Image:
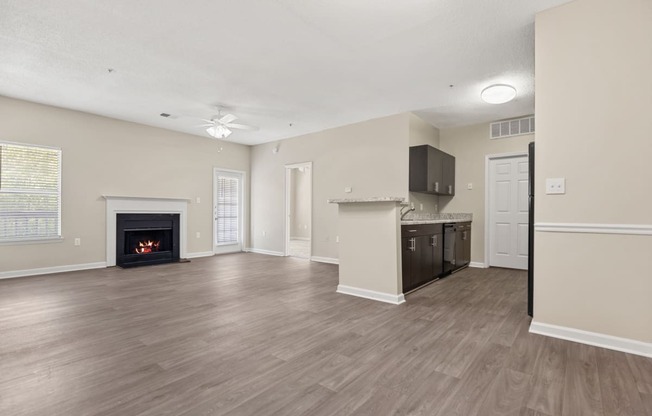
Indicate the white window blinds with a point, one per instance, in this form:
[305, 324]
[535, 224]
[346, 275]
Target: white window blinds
[30, 192]
[228, 209]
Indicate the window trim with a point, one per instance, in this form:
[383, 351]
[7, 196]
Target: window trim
[46, 239]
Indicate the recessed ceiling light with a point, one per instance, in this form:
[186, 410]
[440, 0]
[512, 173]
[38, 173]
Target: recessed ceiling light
[498, 94]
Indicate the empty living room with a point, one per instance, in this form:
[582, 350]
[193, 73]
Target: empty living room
[282, 207]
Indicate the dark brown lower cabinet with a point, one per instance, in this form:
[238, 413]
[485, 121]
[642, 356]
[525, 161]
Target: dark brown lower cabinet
[422, 257]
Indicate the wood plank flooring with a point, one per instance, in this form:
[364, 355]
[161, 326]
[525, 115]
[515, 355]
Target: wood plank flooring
[248, 334]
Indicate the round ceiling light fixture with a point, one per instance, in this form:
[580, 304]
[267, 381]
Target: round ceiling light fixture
[498, 94]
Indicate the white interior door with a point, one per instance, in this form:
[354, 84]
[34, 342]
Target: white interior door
[508, 212]
[227, 211]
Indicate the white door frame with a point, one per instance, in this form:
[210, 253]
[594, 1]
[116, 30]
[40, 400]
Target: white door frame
[487, 214]
[288, 168]
[241, 214]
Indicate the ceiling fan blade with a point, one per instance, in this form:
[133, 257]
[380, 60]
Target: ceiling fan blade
[227, 119]
[241, 126]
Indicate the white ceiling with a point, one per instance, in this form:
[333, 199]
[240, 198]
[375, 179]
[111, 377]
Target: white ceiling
[316, 64]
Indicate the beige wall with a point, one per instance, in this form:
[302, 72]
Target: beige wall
[300, 203]
[370, 258]
[103, 156]
[470, 145]
[371, 157]
[593, 100]
[420, 133]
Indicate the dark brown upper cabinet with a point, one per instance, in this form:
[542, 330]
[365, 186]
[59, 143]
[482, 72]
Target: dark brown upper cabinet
[431, 171]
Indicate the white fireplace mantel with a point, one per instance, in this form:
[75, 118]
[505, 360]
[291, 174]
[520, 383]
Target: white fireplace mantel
[131, 204]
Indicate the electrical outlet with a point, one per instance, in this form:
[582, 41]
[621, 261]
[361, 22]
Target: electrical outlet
[555, 186]
[348, 189]
[78, 241]
[420, 207]
[337, 238]
[198, 200]
[264, 233]
[198, 234]
[469, 186]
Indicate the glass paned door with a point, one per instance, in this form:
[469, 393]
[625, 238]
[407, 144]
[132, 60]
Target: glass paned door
[227, 211]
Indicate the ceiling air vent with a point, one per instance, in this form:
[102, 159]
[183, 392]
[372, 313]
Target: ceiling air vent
[509, 128]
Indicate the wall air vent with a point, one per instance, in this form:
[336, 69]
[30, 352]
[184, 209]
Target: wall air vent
[513, 127]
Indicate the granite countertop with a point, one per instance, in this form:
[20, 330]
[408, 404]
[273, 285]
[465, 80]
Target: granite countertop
[437, 218]
[371, 199]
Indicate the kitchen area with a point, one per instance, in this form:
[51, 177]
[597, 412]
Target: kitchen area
[433, 246]
[389, 249]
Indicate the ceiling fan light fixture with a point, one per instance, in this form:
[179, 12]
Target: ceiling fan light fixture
[219, 132]
[498, 94]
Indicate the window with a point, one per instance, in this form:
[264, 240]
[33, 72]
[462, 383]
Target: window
[30, 192]
[228, 209]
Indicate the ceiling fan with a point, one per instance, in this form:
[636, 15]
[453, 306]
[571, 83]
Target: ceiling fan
[221, 126]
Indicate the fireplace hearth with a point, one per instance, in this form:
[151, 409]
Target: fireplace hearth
[146, 239]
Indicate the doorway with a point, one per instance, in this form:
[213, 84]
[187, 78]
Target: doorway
[298, 210]
[506, 206]
[228, 211]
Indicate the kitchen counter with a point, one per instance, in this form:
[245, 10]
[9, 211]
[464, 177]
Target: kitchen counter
[438, 219]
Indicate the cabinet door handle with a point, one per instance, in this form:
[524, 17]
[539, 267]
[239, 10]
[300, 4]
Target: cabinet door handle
[433, 241]
[413, 243]
[436, 186]
[464, 236]
[412, 231]
[450, 189]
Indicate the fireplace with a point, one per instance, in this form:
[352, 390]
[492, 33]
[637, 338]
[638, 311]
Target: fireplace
[145, 239]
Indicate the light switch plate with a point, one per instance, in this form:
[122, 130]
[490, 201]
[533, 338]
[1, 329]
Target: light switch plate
[555, 186]
[469, 186]
[198, 200]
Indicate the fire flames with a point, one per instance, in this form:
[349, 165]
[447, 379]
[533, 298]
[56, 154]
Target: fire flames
[147, 246]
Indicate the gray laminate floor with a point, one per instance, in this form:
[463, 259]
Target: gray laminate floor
[248, 334]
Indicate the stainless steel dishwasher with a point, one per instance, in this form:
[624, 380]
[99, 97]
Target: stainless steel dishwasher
[450, 235]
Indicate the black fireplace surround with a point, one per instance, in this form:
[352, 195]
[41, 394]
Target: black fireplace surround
[145, 239]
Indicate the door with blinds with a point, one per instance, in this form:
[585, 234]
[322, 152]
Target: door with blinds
[227, 211]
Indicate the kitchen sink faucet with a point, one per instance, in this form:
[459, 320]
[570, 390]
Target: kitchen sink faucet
[403, 214]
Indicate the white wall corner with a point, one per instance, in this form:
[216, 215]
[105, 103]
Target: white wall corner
[592, 338]
[371, 294]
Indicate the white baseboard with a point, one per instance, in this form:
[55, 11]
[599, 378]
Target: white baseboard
[477, 265]
[53, 269]
[592, 338]
[329, 260]
[199, 254]
[267, 252]
[371, 294]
